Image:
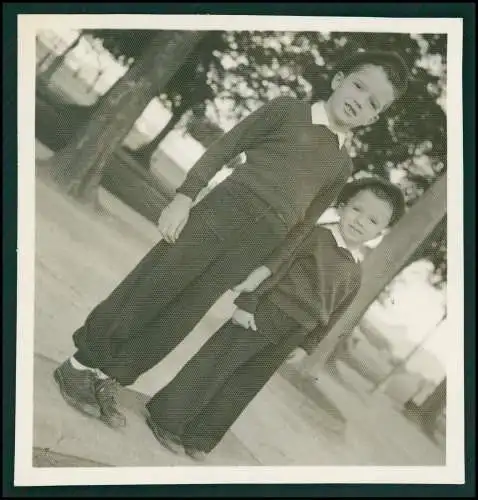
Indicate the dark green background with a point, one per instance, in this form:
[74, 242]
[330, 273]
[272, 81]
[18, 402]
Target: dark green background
[398, 9]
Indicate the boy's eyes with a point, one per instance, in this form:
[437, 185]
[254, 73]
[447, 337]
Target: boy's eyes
[371, 219]
[373, 102]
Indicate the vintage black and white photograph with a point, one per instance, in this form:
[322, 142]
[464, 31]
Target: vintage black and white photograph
[233, 250]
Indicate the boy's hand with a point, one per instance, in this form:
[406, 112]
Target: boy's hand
[253, 280]
[296, 356]
[244, 319]
[174, 217]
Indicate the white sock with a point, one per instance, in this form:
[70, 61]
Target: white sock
[78, 366]
[101, 375]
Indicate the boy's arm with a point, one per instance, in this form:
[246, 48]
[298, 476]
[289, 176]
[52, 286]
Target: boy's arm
[249, 301]
[253, 280]
[284, 252]
[313, 339]
[250, 131]
[323, 200]
[328, 194]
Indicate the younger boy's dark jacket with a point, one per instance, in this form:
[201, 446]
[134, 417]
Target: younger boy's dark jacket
[313, 283]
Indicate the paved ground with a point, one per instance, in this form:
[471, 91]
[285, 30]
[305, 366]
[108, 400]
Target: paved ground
[43, 457]
[80, 256]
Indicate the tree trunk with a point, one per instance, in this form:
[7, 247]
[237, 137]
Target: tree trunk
[426, 250]
[382, 265]
[143, 154]
[433, 405]
[47, 75]
[41, 62]
[80, 165]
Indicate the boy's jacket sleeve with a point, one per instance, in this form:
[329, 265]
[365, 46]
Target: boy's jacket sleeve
[283, 254]
[313, 339]
[248, 301]
[250, 131]
[323, 200]
[282, 261]
[328, 193]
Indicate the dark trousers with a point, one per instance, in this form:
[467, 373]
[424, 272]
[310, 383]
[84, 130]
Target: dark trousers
[228, 234]
[211, 391]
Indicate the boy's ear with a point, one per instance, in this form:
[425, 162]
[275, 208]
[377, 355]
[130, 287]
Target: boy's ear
[337, 80]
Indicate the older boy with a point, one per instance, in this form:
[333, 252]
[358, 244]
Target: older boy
[293, 309]
[296, 165]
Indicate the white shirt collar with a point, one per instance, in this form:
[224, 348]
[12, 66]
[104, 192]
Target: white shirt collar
[334, 229]
[319, 117]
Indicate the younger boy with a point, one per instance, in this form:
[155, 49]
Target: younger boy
[291, 310]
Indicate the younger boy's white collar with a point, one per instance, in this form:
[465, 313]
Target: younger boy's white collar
[319, 117]
[334, 229]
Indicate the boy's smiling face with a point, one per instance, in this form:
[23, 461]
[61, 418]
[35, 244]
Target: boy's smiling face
[364, 217]
[359, 98]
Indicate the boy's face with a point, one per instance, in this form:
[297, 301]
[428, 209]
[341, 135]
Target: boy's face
[359, 98]
[364, 217]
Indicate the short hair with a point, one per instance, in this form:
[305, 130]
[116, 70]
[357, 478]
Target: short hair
[393, 64]
[381, 188]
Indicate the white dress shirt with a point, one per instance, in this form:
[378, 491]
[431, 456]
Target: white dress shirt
[319, 117]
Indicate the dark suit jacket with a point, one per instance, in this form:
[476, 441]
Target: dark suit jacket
[348, 276]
